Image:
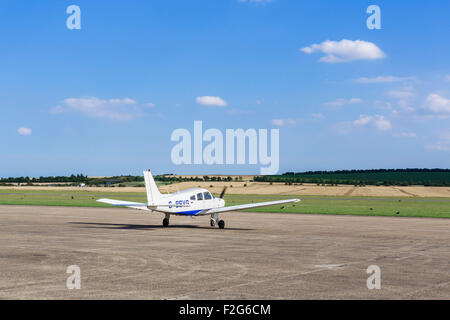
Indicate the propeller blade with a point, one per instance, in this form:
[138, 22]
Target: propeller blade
[223, 192]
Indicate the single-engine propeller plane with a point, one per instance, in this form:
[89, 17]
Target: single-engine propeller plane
[189, 202]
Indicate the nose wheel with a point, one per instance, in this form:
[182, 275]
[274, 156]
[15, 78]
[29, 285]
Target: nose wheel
[220, 223]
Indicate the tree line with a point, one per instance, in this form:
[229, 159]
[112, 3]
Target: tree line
[387, 177]
[80, 178]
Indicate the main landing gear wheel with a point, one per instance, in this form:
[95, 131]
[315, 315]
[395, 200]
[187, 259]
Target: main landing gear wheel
[165, 222]
[213, 223]
[221, 224]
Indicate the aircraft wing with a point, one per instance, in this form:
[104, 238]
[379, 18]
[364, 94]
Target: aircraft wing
[128, 204]
[250, 206]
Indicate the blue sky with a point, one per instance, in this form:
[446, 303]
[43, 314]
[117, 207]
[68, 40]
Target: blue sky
[104, 100]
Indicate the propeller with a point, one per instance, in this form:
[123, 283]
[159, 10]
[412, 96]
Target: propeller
[223, 192]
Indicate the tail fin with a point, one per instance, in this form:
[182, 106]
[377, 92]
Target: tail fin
[153, 194]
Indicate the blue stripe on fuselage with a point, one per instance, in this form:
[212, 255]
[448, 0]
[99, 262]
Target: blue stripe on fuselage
[188, 213]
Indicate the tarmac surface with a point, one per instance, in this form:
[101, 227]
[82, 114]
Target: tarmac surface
[125, 254]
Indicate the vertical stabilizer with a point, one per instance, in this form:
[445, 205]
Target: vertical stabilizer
[153, 194]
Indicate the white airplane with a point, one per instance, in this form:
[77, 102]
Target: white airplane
[189, 202]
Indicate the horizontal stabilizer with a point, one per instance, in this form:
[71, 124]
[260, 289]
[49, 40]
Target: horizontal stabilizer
[128, 204]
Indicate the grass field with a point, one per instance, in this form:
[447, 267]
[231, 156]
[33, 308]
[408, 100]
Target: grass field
[370, 206]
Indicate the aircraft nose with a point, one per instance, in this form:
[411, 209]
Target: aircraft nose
[222, 203]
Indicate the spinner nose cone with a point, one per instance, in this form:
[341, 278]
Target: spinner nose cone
[222, 202]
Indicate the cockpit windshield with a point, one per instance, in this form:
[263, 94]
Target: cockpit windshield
[207, 196]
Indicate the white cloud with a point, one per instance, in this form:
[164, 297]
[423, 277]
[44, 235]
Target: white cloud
[24, 131]
[382, 124]
[383, 79]
[124, 101]
[378, 121]
[318, 115]
[443, 144]
[112, 109]
[283, 122]
[278, 122]
[383, 105]
[439, 146]
[438, 104]
[342, 102]
[403, 97]
[336, 103]
[211, 101]
[405, 135]
[345, 51]
[404, 105]
[401, 94]
[362, 121]
[355, 100]
[150, 105]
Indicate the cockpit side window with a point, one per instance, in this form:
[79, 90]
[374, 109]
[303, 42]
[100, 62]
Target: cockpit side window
[193, 197]
[207, 196]
[199, 196]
